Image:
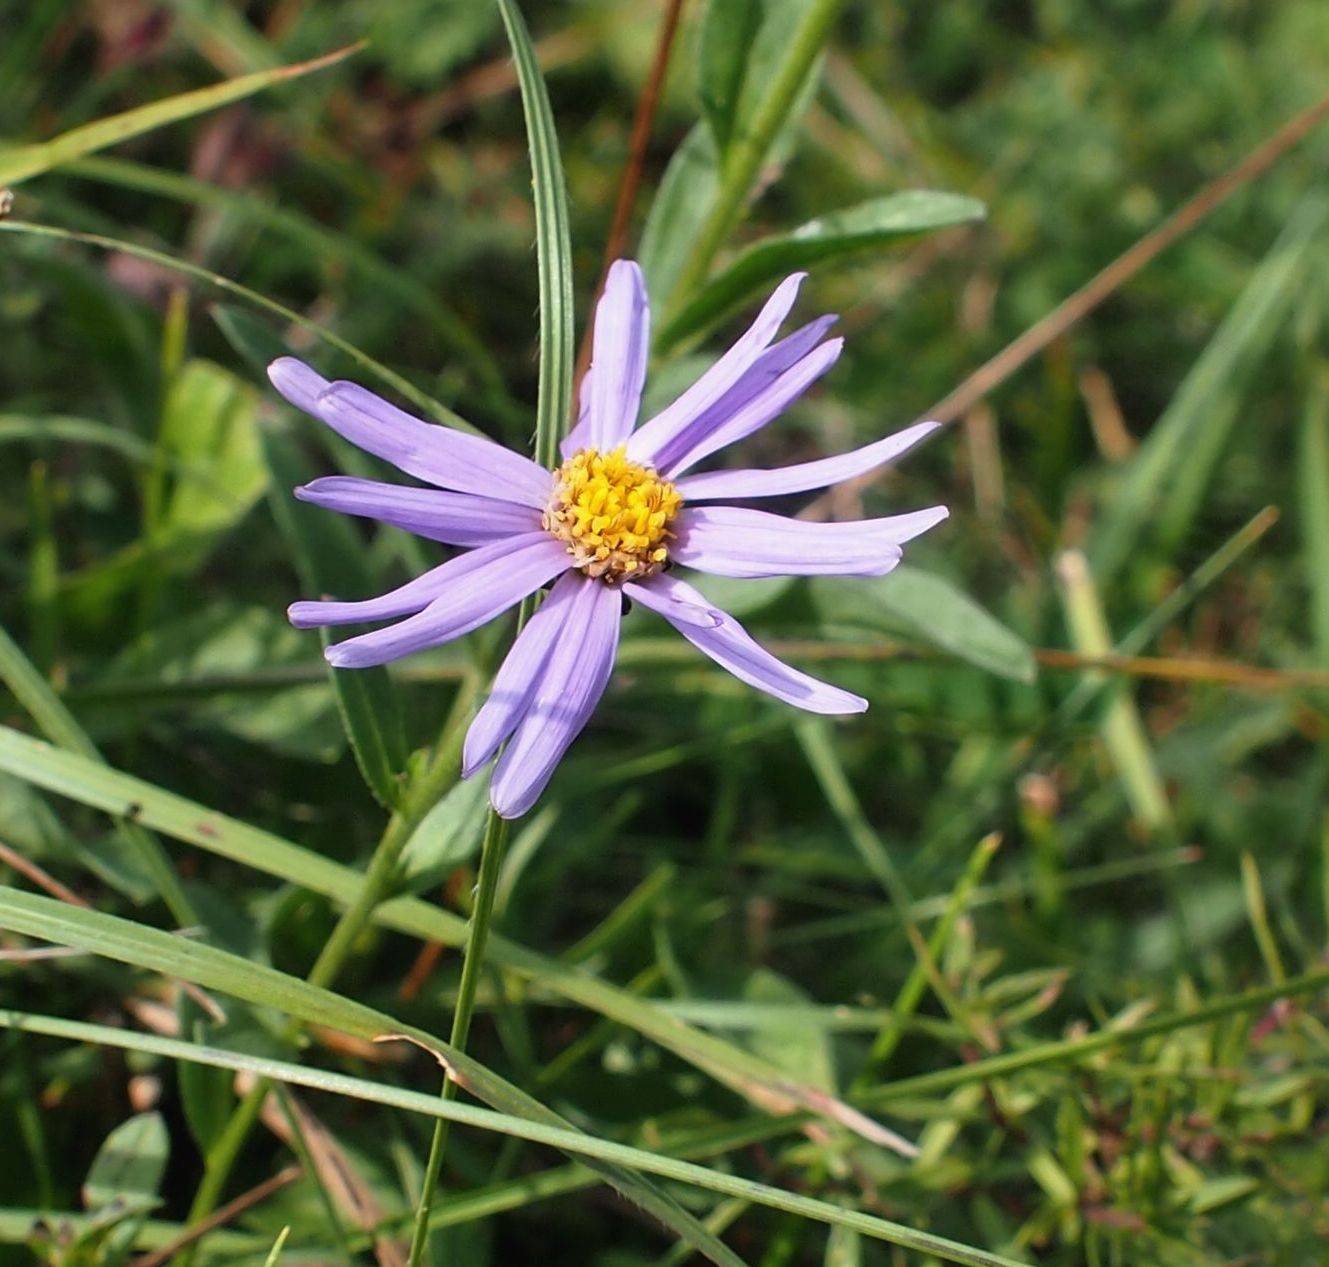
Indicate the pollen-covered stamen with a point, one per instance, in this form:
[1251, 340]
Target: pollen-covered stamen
[613, 514]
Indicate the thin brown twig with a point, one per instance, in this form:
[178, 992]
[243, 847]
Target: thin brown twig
[1170, 669]
[642, 124]
[1075, 307]
[42, 879]
[224, 1214]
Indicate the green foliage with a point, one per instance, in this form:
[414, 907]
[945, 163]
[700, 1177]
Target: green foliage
[1023, 965]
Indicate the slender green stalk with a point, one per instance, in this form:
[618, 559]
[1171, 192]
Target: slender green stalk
[421, 796]
[751, 145]
[491, 864]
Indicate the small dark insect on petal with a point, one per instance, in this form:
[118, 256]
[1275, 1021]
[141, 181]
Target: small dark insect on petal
[627, 604]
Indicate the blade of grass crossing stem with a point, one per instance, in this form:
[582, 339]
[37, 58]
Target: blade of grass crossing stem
[45, 707]
[597, 1151]
[1314, 472]
[422, 400]
[1123, 731]
[25, 161]
[553, 245]
[110, 790]
[156, 951]
[1167, 478]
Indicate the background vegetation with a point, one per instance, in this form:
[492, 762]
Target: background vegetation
[1060, 921]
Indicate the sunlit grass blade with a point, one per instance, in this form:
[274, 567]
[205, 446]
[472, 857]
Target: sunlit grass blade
[48, 710]
[1313, 467]
[1163, 484]
[396, 382]
[186, 820]
[22, 162]
[553, 246]
[597, 1150]
[156, 951]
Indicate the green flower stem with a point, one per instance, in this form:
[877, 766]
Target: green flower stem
[477, 934]
[749, 148]
[421, 795]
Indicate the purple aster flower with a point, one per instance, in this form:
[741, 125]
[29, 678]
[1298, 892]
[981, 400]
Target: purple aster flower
[611, 521]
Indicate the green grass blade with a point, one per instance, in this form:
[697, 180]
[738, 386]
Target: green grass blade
[329, 559]
[156, 951]
[22, 162]
[597, 1150]
[1313, 468]
[422, 400]
[48, 710]
[553, 245]
[1167, 478]
[176, 816]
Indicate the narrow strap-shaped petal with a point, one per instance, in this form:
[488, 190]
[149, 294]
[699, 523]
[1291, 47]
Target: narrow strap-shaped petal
[300, 385]
[671, 604]
[731, 541]
[655, 435]
[495, 578]
[574, 678]
[405, 600]
[759, 389]
[457, 519]
[733, 648]
[726, 485]
[519, 675]
[618, 356]
[726, 426]
[439, 455]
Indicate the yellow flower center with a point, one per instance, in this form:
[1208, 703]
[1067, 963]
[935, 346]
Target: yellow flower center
[613, 514]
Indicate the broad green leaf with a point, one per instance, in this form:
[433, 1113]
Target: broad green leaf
[1161, 489]
[923, 605]
[329, 559]
[878, 222]
[544, 1129]
[681, 204]
[19, 163]
[129, 1165]
[727, 35]
[553, 244]
[209, 423]
[802, 1050]
[157, 951]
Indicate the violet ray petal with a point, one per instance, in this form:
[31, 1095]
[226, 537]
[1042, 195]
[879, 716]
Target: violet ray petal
[685, 448]
[579, 437]
[300, 385]
[439, 455]
[734, 649]
[519, 676]
[672, 606]
[654, 435]
[574, 678]
[724, 485]
[456, 519]
[405, 600]
[731, 541]
[618, 355]
[495, 578]
[755, 412]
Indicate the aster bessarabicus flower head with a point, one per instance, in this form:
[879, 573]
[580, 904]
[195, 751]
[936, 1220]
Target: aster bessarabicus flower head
[611, 521]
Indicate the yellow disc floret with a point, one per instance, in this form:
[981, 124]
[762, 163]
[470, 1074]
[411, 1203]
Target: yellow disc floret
[614, 515]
